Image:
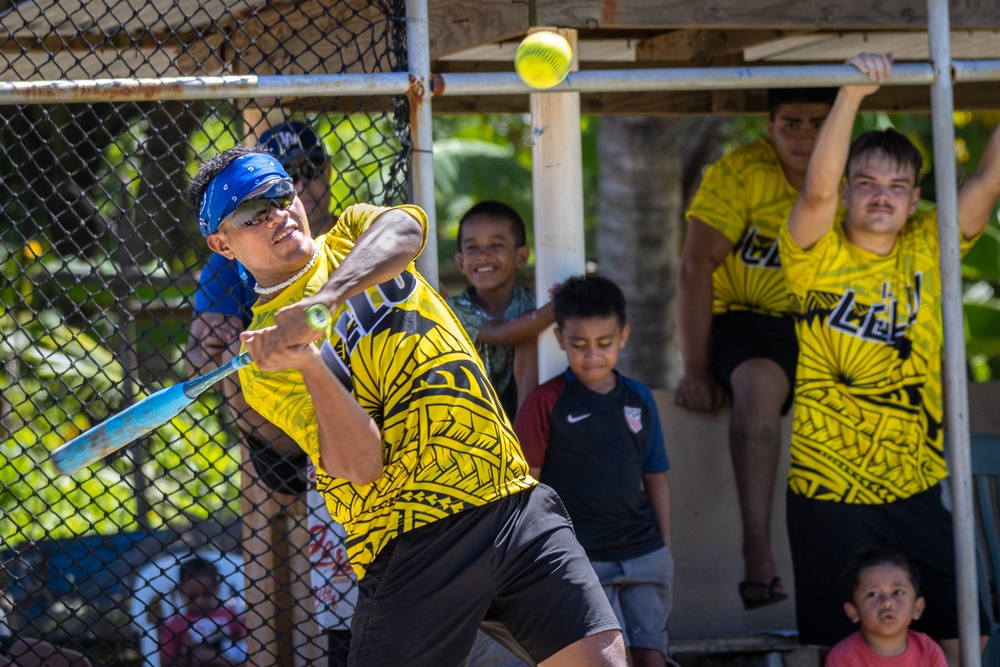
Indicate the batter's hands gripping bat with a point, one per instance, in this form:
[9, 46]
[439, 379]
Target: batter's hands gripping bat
[153, 411]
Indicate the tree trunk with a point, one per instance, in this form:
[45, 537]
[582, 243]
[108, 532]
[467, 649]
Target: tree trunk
[646, 164]
[162, 221]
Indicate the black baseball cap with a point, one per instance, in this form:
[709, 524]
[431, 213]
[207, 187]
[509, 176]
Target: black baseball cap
[291, 141]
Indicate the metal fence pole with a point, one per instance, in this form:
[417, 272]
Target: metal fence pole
[421, 131]
[956, 408]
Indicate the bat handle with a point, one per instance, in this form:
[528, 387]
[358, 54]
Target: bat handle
[317, 317]
[197, 386]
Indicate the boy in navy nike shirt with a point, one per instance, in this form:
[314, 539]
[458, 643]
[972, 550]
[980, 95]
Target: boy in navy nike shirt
[594, 436]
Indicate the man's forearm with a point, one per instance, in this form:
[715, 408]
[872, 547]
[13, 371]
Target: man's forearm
[978, 195]
[826, 165]
[350, 445]
[694, 318]
[518, 330]
[816, 209]
[382, 252]
[658, 490]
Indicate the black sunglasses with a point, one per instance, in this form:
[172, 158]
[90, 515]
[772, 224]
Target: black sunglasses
[255, 210]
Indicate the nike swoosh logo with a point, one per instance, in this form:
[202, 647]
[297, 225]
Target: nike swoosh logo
[572, 419]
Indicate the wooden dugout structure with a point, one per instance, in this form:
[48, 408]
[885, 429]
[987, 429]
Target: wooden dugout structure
[634, 57]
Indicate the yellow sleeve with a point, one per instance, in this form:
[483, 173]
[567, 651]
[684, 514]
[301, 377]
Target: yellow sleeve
[281, 397]
[722, 200]
[359, 217]
[800, 266]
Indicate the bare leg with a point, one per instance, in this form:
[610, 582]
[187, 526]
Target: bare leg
[759, 390]
[605, 649]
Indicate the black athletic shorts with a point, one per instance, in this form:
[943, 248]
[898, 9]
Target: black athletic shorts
[826, 536]
[512, 566]
[740, 335]
[284, 473]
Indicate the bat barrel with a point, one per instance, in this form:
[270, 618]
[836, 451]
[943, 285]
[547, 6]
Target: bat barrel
[115, 432]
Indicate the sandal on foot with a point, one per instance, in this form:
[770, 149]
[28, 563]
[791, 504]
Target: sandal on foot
[770, 590]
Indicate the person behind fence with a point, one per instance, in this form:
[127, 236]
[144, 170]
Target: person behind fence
[594, 436]
[226, 294]
[411, 446]
[222, 309]
[205, 633]
[498, 314]
[867, 452]
[736, 335]
[882, 596]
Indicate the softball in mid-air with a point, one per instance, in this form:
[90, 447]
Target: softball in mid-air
[543, 59]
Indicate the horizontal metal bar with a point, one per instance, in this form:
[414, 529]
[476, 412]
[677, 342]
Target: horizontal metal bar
[203, 88]
[482, 83]
[971, 71]
[698, 78]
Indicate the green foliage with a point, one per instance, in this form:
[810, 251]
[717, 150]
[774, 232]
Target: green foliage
[467, 171]
[489, 157]
[57, 381]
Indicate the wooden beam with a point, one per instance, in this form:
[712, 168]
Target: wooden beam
[760, 14]
[732, 100]
[695, 46]
[455, 25]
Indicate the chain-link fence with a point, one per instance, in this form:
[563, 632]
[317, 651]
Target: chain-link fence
[109, 293]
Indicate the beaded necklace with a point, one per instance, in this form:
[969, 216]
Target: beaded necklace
[274, 289]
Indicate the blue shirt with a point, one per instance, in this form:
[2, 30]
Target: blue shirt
[221, 289]
[593, 449]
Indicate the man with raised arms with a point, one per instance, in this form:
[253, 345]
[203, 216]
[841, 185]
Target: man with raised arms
[867, 440]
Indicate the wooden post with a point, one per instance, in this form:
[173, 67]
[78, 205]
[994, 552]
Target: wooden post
[557, 181]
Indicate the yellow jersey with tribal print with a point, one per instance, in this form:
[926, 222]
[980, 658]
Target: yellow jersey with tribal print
[867, 425]
[447, 444]
[745, 196]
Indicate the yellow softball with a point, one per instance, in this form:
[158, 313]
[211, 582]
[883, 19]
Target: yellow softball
[543, 59]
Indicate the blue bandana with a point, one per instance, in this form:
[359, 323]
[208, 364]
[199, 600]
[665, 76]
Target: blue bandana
[243, 175]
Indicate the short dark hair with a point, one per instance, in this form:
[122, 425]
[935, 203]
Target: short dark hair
[778, 96]
[872, 558]
[892, 144]
[196, 566]
[496, 209]
[584, 297]
[214, 167]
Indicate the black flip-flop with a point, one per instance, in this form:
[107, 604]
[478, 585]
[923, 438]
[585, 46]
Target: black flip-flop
[772, 595]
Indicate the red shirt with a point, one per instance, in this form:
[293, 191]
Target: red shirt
[193, 629]
[921, 651]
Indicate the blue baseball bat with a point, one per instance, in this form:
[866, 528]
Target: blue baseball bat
[153, 411]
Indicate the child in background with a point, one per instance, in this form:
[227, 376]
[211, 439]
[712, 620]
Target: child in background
[594, 436]
[205, 633]
[497, 313]
[882, 593]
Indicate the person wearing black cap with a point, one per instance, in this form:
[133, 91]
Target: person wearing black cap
[222, 309]
[226, 294]
[301, 153]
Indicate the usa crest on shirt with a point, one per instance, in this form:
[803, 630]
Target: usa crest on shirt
[633, 417]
